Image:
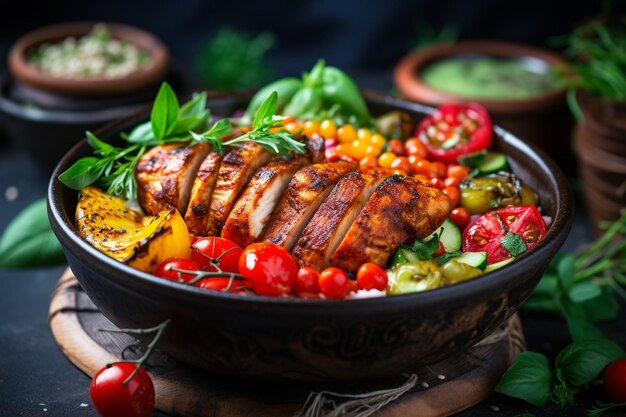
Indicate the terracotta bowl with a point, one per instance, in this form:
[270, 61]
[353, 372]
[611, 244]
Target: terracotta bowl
[543, 120]
[289, 339]
[137, 80]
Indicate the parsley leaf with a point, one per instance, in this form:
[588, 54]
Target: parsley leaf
[513, 243]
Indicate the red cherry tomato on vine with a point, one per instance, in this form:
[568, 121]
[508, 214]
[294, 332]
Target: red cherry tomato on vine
[307, 281]
[455, 130]
[165, 269]
[486, 234]
[221, 284]
[371, 277]
[461, 217]
[333, 283]
[113, 398]
[270, 269]
[205, 249]
[615, 381]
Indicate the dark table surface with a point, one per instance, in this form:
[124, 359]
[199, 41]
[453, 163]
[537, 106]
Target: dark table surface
[37, 380]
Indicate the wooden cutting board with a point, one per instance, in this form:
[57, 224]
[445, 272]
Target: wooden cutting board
[439, 389]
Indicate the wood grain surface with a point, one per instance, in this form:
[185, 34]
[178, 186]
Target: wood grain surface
[440, 389]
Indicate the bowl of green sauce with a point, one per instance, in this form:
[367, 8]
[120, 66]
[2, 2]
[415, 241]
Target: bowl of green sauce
[519, 85]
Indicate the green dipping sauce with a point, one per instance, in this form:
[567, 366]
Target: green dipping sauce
[491, 78]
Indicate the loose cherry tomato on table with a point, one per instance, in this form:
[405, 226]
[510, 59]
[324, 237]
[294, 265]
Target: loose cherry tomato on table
[166, 269]
[333, 283]
[615, 381]
[487, 233]
[307, 281]
[371, 277]
[461, 217]
[270, 269]
[112, 398]
[205, 250]
[455, 130]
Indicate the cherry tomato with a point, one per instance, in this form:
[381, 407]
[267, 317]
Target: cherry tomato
[328, 129]
[333, 283]
[221, 284]
[112, 398]
[269, 268]
[402, 163]
[487, 232]
[451, 182]
[364, 134]
[307, 281]
[455, 130]
[311, 129]
[422, 167]
[453, 195]
[368, 162]
[437, 183]
[438, 169]
[371, 277]
[351, 286]
[386, 159]
[164, 270]
[461, 217]
[378, 140]
[615, 381]
[415, 147]
[346, 133]
[459, 172]
[396, 146]
[206, 249]
[440, 250]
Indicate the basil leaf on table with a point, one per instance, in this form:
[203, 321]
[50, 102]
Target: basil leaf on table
[164, 111]
[529, 378]
[561, 393]
[28, 240]
[583, 360]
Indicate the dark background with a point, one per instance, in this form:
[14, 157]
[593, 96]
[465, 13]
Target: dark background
[364, 38]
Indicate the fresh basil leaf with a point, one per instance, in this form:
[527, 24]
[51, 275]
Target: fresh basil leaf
[440, 260]
[81, 174]
[267, 109]
[583, 360]
[544, 297]
[185, 124]
[100, 147]
[566, 268]
[142, 134]
[425, 249]
[513, 243]
[584, 291]
[602, 308]
[529, 378]
[194, 107]
[29, 241]
[561, 393]
[578, 324]
[164, 111]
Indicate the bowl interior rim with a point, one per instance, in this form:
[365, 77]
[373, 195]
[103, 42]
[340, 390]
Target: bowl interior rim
[557, 232]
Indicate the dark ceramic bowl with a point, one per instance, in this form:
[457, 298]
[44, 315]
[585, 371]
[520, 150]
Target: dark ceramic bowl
[289, 339]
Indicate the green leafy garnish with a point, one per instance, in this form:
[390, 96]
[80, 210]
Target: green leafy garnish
[529, 378]
[29, 241]
[513, 243]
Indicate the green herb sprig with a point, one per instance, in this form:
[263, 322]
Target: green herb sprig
[582, 288]
[265, 121]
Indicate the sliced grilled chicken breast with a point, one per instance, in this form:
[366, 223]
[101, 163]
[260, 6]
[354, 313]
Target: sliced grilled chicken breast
[236, 170]
[256, 204]
[305, 192]
[165, 175]
[197, 215]
[331, 221]
[400, 210]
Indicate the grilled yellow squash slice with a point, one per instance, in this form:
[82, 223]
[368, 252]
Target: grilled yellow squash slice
[140, 241]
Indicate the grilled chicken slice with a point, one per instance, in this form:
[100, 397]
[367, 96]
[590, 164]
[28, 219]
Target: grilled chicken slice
[165, 175]
[400, 210]
[236, 170]
[256, 204]
[254, 208]
[197, 215]
[306, 191]
[331, 221]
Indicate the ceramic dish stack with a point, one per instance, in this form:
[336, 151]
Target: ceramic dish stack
[600, 144]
